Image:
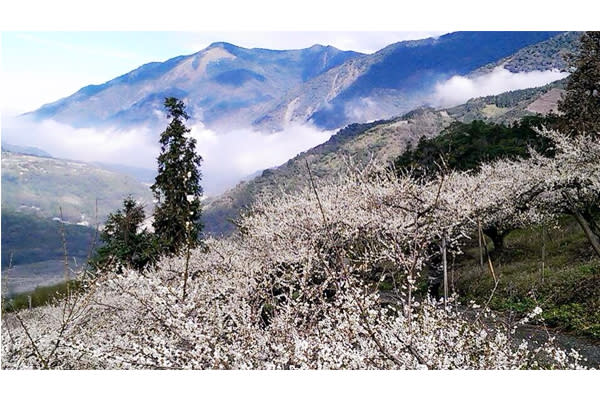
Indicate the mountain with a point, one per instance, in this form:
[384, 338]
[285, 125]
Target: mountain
[381, 140]
[224, 86]
[228, 87]
[399, 77]
[29, 150]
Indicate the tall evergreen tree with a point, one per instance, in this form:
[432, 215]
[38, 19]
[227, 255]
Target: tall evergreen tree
[177, 187]
[580, 107]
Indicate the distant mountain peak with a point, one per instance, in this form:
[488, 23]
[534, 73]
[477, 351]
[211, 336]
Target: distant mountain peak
[223, 45]
[231, 87]
[318, 46]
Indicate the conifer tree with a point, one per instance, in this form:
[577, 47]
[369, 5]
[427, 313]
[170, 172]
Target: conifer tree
[580, 107]
[125, 243]
[177, 186]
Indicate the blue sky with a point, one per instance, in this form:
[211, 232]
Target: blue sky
[41, 67]
[49, 50]
[45, 55]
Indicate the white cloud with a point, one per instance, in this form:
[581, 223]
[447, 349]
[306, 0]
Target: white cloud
[133, 147]
[228, 157]
[232, 156]
[459, 89]
[362, 109]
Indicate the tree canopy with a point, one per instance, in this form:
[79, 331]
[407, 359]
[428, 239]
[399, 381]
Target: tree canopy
[580, 106]
[465, 146]
[126, 243]
[177, 186]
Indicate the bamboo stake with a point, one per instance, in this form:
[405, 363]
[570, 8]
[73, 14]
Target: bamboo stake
[480, 234]
[543, 251]
[489, 259]
[445, 270]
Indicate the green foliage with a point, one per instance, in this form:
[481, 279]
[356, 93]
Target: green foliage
[543, 56]
[465, 146]
[39, 297]
[125, 244]
[567, 289]
[581, 103]
[177, 186]
[28, 239]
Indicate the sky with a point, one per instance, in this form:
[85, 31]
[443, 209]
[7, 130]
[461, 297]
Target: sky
[66, 44]
[41, 67]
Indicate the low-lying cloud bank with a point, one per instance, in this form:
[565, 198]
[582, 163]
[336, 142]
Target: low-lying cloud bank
[228, 157]
[458, 89]
[237, 154]
[134, 147]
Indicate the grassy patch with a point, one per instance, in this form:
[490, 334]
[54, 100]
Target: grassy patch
[566, 286]
[39, 297]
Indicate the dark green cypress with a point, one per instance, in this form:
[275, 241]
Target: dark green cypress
[177, 186]
[125, 244]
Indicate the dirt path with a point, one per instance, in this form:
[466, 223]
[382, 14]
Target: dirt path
[587, 347]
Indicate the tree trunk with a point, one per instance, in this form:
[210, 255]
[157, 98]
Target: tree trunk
[585, 225]
[588, 215]
[497, 238]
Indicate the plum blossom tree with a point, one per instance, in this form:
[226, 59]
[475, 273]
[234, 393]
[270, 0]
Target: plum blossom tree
[569, 183]
[297, 287]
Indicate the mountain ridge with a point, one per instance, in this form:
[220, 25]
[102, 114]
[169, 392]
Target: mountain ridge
[230, 87]
[135, 96]
[385, 83]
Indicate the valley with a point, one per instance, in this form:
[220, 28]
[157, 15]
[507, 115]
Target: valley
[40, 196]
[379, 141]
[229, 87]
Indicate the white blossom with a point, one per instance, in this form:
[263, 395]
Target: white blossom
[297, 287]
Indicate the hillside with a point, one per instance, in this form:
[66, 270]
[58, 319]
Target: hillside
[223, 86]
[546, 55]
[380, 140]
[402, 76]
[33, 190]
[33, 253]
[510, 106]
[40, 185]
[29, 150]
